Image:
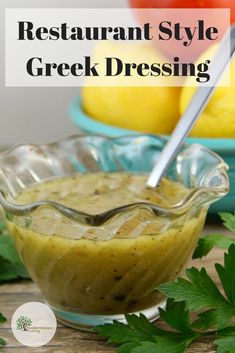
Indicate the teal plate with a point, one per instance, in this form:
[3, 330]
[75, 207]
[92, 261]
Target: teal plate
[224, 147]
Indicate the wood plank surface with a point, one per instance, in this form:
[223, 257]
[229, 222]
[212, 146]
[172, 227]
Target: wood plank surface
[68, 340]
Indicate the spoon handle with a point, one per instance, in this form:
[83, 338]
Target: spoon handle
[194, 109]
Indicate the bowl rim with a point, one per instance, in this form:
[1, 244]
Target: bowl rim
[90, 125]
[202, 194]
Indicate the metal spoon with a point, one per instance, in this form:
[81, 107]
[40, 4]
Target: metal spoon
[194, 109]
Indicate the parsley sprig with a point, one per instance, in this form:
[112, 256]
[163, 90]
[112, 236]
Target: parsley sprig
[140, 336]
[200, 292]
[11, 267]
[214, 310]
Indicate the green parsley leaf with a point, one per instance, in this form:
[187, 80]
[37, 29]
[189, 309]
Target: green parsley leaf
[176, 316]
[208, 242]
[2, 318]
[127, 347]
[138, 329]
[177, 344]
[221, 241]
[10, 271]
[200, 292]
[228, 220]
[139, 335]
[226, 274]
[226, 340]
[166, 345]
[145, 347]
[205, 320]
[2, 342]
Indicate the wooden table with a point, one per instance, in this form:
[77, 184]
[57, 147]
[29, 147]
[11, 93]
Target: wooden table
[68, 340]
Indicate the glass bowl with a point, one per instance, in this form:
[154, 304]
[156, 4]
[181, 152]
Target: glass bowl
[92, 271]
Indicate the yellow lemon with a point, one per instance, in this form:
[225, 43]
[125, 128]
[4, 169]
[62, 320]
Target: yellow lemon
[218, 118]
[147, 109]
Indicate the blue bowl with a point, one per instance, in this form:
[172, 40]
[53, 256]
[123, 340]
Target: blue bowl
[224, 147]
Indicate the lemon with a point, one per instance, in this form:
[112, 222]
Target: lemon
[147, 109]
[218, 118]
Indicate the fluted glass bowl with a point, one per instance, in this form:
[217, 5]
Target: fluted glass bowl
[95, 268]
